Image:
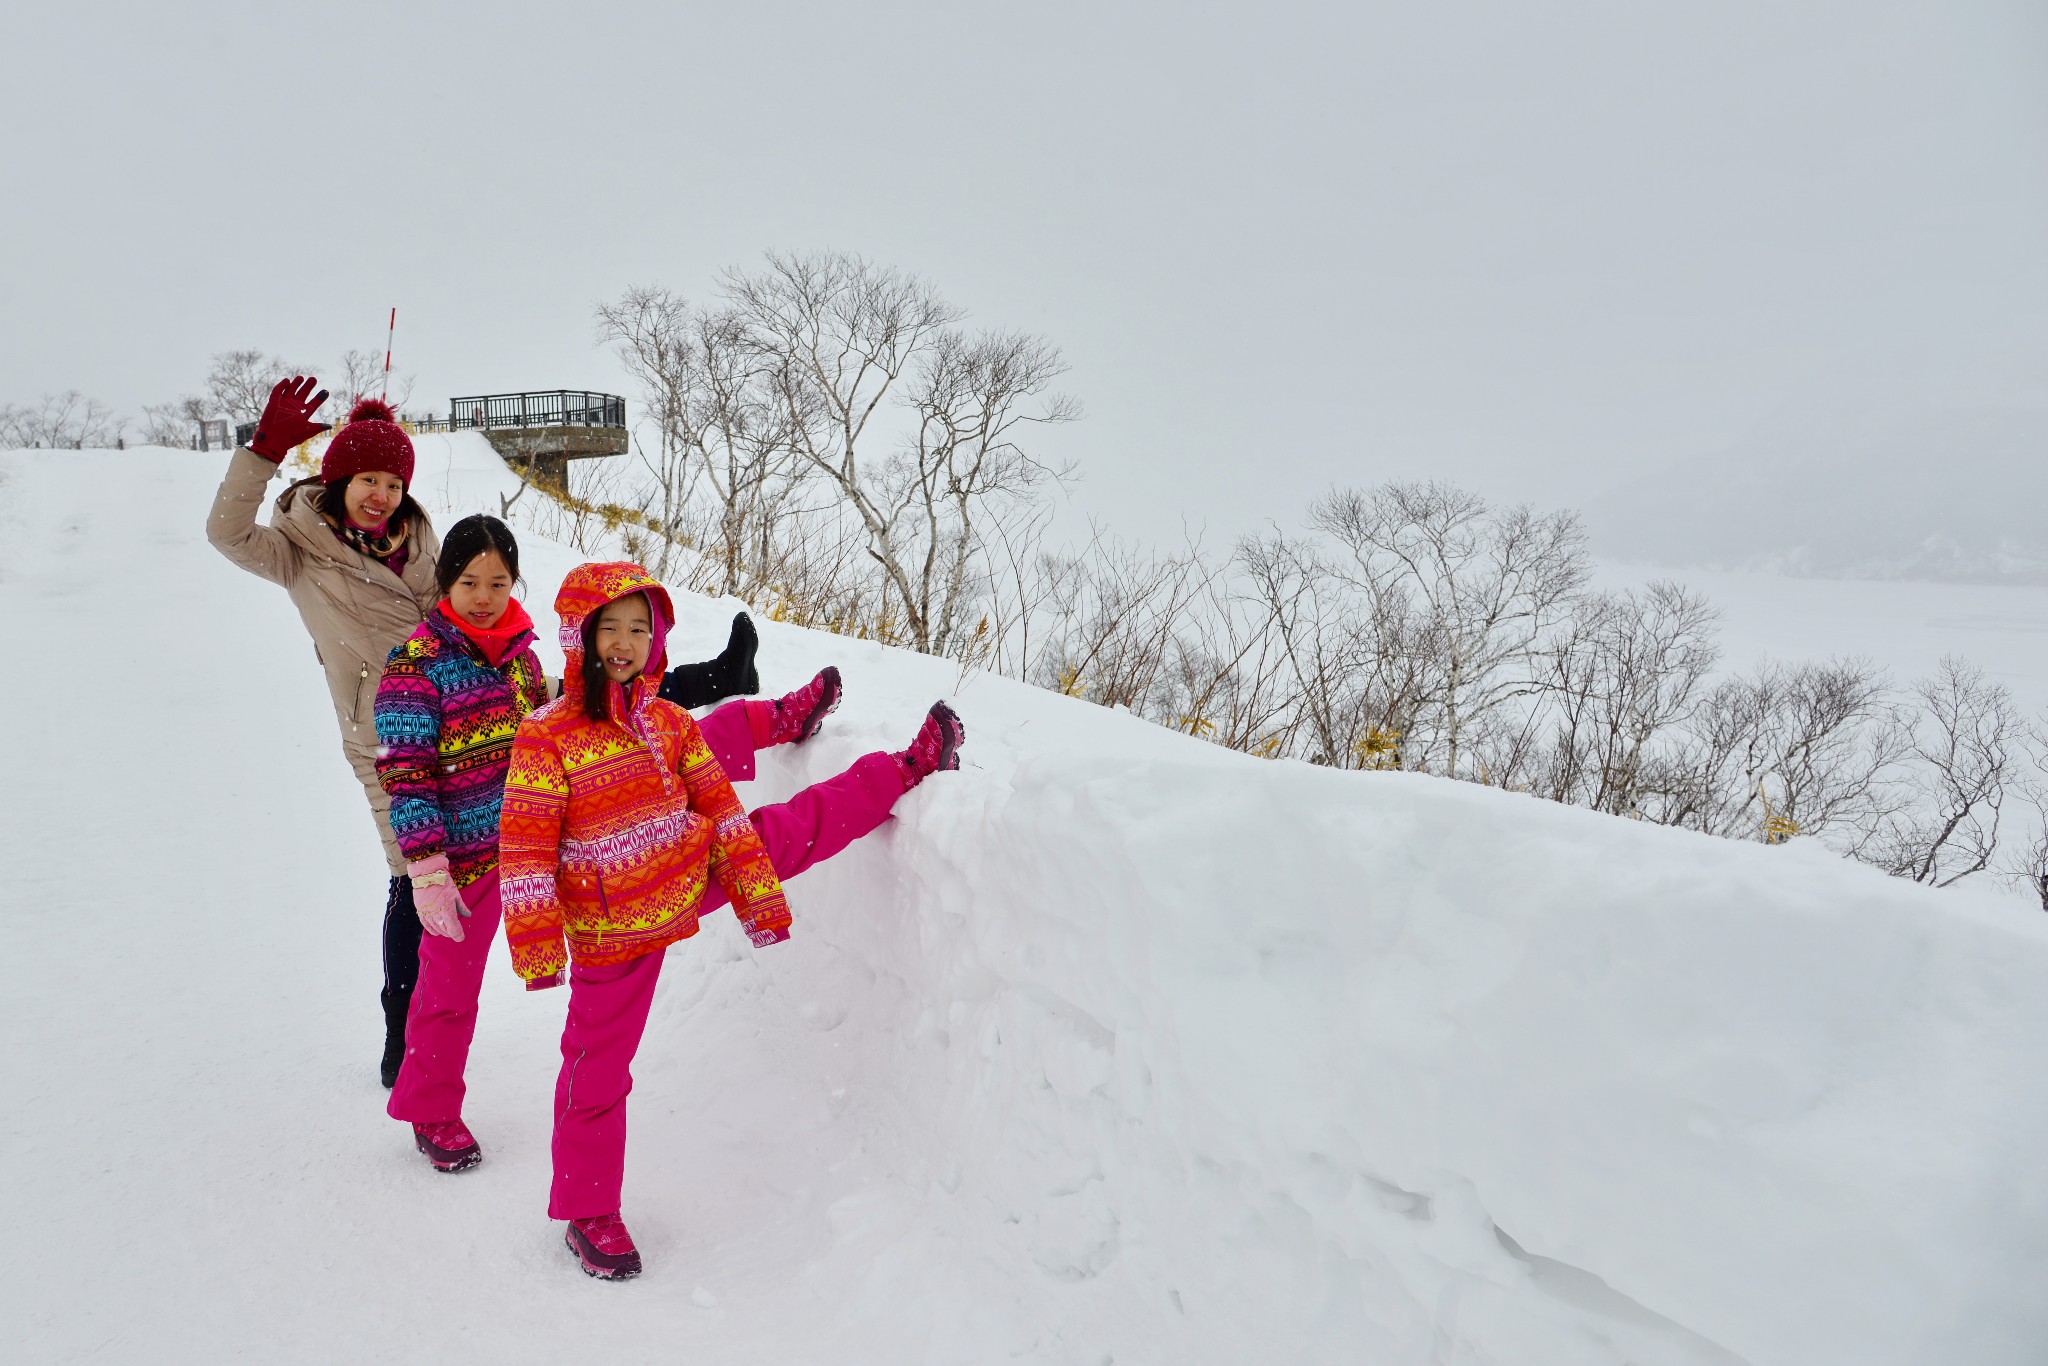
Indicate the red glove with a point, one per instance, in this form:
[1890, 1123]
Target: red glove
[288, 418]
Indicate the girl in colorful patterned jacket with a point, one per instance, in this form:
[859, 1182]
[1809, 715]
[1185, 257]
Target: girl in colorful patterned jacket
[620, 830]
[450, 700]
[358, 556]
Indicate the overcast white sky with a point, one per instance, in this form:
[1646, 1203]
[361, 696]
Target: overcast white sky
[1533, 248]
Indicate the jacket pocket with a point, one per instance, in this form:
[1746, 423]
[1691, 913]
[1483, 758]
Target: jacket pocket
[364, 684]
[581, 892]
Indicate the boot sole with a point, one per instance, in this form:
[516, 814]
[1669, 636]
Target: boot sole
[827, 704]
[596, 1272]
[458, 1162]
[955, 733]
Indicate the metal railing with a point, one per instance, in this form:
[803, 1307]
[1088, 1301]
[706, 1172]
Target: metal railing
[246, 432]
[492, 412]
[548, 408]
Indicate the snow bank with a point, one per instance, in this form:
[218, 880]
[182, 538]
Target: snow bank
[1113, 1047]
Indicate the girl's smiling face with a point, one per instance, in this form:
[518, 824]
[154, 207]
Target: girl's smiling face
[479, 596]
[624, 638]
[371, 497]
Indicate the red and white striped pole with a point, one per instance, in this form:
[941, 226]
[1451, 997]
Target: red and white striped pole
[389, 334]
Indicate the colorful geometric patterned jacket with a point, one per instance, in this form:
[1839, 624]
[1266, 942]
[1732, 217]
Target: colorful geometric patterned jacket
[611, 828]
[445, 723]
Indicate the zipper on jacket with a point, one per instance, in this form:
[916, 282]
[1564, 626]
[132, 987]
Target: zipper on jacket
[355, 711]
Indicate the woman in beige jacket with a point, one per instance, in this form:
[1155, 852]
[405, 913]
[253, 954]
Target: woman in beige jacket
[357, 555]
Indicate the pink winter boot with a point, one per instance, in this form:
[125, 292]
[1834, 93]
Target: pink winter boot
[936, 748]
[604, 1247]
[796, 718]
[448, 1144]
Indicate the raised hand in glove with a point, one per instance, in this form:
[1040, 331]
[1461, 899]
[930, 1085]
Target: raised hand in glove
[435, 899]
[288, 417]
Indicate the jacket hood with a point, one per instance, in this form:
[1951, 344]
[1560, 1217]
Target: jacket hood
[588, 590]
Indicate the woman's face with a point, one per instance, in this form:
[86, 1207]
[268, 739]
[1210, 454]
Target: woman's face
[480, 594]
[624, 638]
[371, 498]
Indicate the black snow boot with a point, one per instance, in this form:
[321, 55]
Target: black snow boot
[732, 674]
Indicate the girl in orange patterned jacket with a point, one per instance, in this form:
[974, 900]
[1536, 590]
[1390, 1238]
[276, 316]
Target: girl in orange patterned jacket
[619, 829]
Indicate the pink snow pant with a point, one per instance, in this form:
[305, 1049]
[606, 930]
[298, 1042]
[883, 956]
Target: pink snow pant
[608, 1006]
[442, 1019]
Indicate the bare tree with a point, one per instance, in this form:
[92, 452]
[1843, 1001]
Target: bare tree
[2029, 863]
[1487, 586]
[966, 467]
[1363, 666]
[1114, 613]
[718, 427]
[842, 344]
[1968, 741]
[1622, 675]
[835, 335]
[1812, 749]
[360, 375]
[1228, 679]
[2032, 867]
[239, 383]
[175, 423]
[66, 421]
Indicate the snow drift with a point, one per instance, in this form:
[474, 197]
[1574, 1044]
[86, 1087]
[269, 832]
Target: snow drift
[1115, 1046]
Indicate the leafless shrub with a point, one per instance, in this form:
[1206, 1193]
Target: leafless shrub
[2028, 863]
[360, 375]
[1807, 749]
[1114, 611]
[1967, 744]
[1623, 673]
[717, 429]
[66, 421]
[1480, 586]
[239, 383]
[175, 423]
[842, 344]
[1363, 667]
[1227, 677]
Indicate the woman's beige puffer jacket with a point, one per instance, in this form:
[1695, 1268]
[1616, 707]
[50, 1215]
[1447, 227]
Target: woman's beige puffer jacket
[355, 608]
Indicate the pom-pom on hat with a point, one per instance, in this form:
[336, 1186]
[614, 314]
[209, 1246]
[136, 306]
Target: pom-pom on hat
[370, 440]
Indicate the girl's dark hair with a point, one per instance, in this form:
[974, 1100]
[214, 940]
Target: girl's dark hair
[331, 501]
[595, 694]
[469, 538]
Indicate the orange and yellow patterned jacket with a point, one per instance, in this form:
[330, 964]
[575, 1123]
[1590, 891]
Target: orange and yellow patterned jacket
[610, 828]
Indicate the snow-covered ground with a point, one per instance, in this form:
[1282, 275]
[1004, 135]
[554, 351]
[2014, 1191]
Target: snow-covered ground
[1113, 1047]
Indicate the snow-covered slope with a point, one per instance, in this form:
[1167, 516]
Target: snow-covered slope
[1112, 1047]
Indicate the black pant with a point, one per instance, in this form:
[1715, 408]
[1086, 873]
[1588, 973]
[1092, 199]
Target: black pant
[401, 954]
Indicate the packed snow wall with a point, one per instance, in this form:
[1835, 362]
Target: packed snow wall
[1113, 1046]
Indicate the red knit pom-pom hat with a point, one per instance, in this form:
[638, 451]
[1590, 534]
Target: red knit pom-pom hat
[371, 440]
